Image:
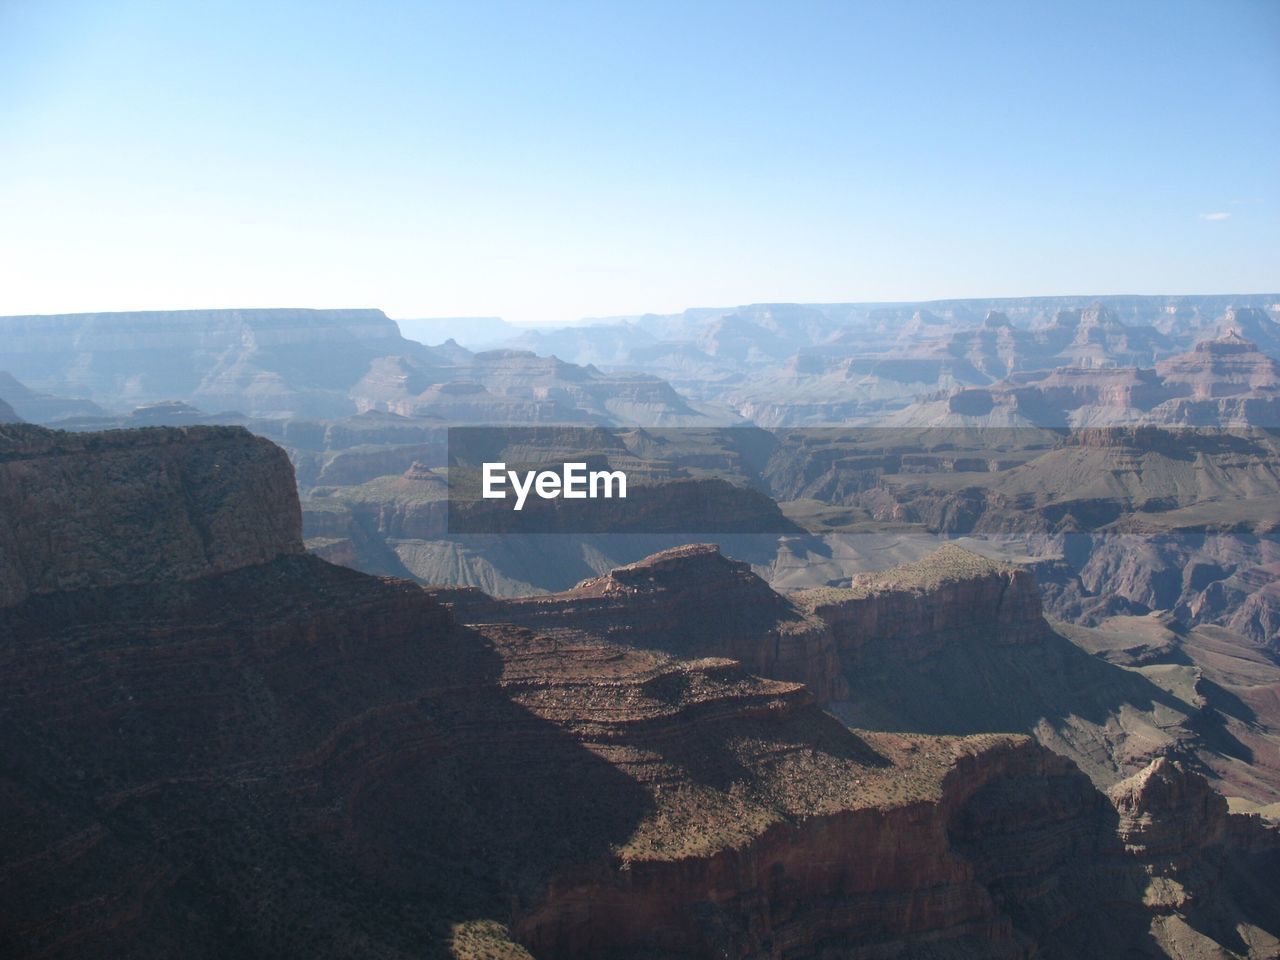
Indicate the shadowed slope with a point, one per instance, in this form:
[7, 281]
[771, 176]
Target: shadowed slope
[286, 758]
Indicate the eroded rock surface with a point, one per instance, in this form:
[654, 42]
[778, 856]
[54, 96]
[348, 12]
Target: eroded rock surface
[95, 510]
[691, 601]
[280, 757]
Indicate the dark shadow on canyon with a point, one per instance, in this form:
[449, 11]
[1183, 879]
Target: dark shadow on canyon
[980, 687]
[291, 759]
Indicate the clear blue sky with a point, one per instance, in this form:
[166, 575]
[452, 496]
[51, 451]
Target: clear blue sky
[546, 161]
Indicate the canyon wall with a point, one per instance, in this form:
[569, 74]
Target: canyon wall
[690, 601]
[226, 748]
[93, 510]
[918, 607]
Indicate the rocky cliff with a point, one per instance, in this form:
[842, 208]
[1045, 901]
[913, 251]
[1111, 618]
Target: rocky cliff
[258, 754]
[1164, 811]
[99, 510]
[690, 601]
[957, 644]
[950, 596]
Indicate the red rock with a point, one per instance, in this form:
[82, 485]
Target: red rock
[694, 602]
[273, 756]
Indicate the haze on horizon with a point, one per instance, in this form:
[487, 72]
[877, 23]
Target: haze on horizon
[550, 161]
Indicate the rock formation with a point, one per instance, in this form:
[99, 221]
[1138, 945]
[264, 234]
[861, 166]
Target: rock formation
[957, 644]
[1165, 812]
[1223, 382]
[1253, 323]
[315, 364]
[690, 601]
[231, 749]
[98, 510]
[950, 595]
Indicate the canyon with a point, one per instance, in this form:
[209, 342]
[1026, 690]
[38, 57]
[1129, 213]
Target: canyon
[774, 365]
[1223, 382]
[304, 364]
[1113, 520]
[787, 365]
[219, 745]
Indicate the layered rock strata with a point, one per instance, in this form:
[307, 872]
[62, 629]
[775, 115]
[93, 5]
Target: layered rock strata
[690, 601]
[957, 644]
[271, 756]
[950, 595]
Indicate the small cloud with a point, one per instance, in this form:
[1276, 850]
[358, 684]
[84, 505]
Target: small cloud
[1215, 216]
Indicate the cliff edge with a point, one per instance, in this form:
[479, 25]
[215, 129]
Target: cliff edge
[89, 510]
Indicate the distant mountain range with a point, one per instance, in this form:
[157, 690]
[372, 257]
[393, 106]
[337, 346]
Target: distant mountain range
[316, 364]
[815, 364]
[1226, 381]
[769, 364]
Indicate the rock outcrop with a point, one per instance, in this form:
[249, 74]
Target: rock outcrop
[950, 596]
[866, 873]
[1190, 871]
[1165, 810]
[690, 601]
[1226, 366]
[250, 752]
[1252, 323]
[957, 644]
[98, 510]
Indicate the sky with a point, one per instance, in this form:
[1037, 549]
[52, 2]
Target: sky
[547, 161]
